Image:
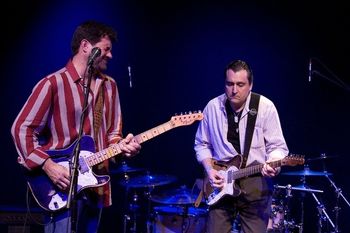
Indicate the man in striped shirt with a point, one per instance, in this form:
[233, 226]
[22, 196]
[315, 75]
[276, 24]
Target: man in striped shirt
[51, 120]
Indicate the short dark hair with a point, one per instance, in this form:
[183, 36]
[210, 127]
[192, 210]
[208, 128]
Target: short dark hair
[238, 65]
[93, 32]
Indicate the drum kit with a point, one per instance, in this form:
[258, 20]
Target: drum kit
[150, 209]
[171, 210]
[280, 218]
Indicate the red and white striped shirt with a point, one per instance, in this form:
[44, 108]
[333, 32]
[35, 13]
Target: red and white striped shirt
[50, 119]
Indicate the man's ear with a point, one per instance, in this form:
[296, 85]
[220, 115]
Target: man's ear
[85, 46]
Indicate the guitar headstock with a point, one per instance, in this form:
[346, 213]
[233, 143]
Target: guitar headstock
[186, 119]
[293, 160]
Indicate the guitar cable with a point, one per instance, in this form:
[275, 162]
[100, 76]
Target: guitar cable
[29, 213]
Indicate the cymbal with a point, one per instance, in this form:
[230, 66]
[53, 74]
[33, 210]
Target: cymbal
[322, 157]
[148, 181]
[180, 196]
[124, 168]
[306, 172]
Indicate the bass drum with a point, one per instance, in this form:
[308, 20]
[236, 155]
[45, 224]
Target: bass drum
[175, 219]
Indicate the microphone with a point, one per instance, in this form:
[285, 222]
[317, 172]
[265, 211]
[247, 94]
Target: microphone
[95, 53]
[130, 80]
[310, 69]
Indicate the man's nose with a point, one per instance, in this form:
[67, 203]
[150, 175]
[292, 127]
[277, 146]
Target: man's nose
[234, 89]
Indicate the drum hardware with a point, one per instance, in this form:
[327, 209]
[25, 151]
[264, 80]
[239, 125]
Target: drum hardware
[147, 182]
[301, 187]
[322, 157]
[339, 194]
[337, 190]
[306, 172]
[281, 220]
[129, 208]
[132, 216]
[125, 168]
[288, 223]
[176, 215]
[179, 196]
[323, 216]
[178, 219]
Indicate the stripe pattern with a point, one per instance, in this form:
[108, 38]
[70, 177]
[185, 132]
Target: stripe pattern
[50, 119]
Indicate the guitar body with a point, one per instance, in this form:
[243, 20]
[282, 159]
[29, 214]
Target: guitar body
[226, 169]
[47, 194]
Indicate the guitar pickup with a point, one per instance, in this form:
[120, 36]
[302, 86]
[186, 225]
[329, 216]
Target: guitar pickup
[83, 167]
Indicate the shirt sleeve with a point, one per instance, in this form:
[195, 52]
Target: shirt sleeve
[202, 145]
[276, 147]
[29, 124]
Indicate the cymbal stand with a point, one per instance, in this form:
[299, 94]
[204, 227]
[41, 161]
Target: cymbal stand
[323, 216]
[302, 195]
[185, 219]
[126, 217]
[150, 216]
[288, 223]
[339, 193]
[133, 208]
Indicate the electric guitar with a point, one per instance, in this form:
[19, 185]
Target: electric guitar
[51, 198]
[231, 172]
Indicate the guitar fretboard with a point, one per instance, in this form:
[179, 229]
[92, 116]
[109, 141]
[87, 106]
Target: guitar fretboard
[140, 138]
[254, 169]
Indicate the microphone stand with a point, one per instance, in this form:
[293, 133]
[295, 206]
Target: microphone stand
[335, 79]
[74, 164]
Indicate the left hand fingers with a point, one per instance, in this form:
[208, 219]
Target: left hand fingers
[128, 138]
[130, 149]
[268, 171]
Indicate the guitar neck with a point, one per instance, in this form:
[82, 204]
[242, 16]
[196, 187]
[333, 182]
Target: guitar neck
[140, 138]
[151, 133]
[254, 169]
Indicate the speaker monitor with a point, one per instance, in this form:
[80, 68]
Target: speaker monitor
[18, 220]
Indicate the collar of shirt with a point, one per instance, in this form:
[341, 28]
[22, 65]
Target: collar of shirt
[246, 109]
[74, 74]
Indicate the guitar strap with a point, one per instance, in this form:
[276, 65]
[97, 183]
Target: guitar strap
[97, 118]
[98, 110]
[199, 198]
[253, 112]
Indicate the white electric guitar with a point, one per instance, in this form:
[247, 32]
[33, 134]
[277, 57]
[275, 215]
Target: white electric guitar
[231, 172]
